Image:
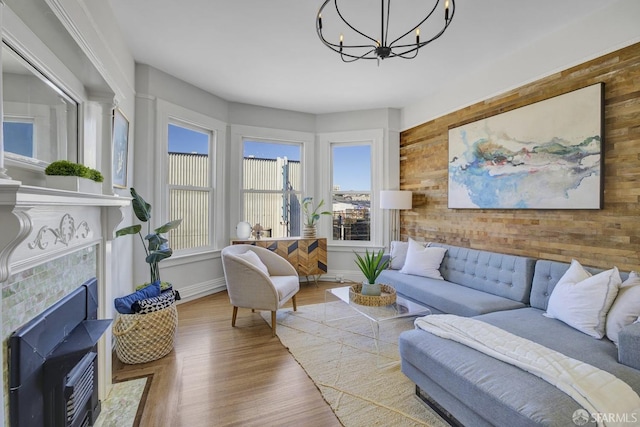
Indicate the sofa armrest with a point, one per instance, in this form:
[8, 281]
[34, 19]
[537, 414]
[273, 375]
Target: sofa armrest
[629, 345]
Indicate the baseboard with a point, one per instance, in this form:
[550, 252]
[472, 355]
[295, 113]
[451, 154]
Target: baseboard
[202, 289]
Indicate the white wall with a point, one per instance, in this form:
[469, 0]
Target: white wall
[612, 28]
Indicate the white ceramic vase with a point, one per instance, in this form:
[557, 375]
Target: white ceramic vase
[243, 230]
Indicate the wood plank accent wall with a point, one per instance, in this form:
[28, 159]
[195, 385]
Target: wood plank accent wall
[599, 238]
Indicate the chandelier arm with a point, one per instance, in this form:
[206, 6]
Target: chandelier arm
[335, 2]
[336, 47]
[423, 43]
[405, 54]
[355, 58]
[418, 24]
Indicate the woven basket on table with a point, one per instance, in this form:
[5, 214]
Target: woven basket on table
[387, 297]
[142, 338]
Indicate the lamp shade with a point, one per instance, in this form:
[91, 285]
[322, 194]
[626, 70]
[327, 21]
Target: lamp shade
[395, 199]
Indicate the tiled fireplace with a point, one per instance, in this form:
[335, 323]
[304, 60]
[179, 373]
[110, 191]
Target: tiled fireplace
[51, 242]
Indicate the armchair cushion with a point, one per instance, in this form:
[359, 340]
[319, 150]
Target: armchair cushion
[253, 259]
[285, 285]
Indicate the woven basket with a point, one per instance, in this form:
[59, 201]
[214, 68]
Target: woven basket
[388, 296]
[142, 338]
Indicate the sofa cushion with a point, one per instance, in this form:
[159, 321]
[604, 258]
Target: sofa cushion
[626, 308]
[582, 301]
[423, 261]
[531, 324]
[398, 254]
[508, 276]
[446, 297]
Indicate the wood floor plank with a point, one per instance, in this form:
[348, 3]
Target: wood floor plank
[224, 376]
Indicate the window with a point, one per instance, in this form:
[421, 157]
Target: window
[18, 137]
[272, 186]
[351, 191]
[190, 185]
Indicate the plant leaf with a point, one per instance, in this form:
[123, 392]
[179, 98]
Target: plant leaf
[141, 208]
[132, 229]
[169, 226]
[157, 256]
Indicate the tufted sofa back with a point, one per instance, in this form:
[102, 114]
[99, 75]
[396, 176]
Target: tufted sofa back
[508, 276]
[546, 276]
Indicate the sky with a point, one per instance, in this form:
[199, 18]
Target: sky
[351, 163]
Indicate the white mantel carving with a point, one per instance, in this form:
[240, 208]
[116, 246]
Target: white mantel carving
[38, 223]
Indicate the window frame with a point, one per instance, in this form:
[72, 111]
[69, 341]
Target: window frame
[244, 191]
[370, 191]
[240, 133]
[169, 113]
[375, 138]
[210, 188]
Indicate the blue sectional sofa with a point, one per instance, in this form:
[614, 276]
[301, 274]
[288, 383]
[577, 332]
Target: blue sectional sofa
[473, 389]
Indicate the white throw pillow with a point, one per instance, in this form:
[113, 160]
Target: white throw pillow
[398, 254]
[626, 308]
[254, 260]
[582, 301]
[421, 261]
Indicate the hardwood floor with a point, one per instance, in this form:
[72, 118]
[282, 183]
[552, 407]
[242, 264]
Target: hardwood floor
[223, 376]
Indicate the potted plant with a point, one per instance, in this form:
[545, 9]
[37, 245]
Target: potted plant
[66, 175]
[157, 247]
[371, 265]
[311, 216]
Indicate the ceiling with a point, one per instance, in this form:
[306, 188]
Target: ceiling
[267, 53]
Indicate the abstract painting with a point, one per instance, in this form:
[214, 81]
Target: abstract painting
[546, 155]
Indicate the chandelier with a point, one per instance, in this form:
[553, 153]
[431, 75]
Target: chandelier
[358, 45]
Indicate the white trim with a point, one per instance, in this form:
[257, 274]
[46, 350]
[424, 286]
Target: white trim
[241, 132]
[167, 113]
[378, 179]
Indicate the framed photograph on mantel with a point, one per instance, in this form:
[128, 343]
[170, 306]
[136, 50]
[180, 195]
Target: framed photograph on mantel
[546, 155]
[120, 149]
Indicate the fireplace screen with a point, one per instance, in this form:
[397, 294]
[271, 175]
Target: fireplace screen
[53, 364]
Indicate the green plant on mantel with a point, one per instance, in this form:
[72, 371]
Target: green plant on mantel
[157, 247]
[372, 264]
[67, 168]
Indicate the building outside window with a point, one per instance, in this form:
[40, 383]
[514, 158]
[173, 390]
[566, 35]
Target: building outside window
[272, 186]
[351, 191]
[190, 185]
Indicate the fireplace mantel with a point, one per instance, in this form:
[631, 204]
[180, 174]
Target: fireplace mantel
[43, 224]
[40, 223]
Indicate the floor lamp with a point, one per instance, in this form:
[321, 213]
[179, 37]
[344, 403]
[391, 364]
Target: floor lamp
[395, 200]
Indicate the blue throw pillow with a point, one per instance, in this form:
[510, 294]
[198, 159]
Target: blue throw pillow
[123, 304]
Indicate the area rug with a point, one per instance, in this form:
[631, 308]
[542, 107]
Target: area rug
[123, 406]
[362, 387]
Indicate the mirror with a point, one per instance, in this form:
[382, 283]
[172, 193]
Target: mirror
[40, 121]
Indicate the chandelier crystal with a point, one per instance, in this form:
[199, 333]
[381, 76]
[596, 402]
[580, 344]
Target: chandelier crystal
[359, 45]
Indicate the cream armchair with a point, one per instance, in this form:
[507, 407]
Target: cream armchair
[258, 279]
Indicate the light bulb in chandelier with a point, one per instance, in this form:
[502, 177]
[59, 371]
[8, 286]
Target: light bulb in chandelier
[361, 45]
